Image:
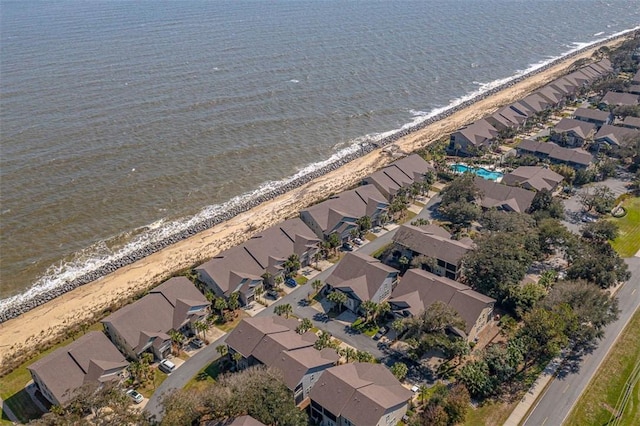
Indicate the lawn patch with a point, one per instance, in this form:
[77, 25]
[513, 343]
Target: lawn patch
[370, 236]
[148, 389]
[228, 326]
[599, 399]
[628, 242]
[301, 279]
[207, 376]
[489, 414]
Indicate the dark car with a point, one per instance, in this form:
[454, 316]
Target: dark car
[347, 247]
[290, 282]
[197, 342]
[381, 332]
[272, 293]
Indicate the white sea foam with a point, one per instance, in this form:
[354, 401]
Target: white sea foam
[99, 255]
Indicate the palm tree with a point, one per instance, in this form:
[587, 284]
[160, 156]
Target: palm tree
[220, 304]
[381, 310]
[368, 307]
[200, 326]
[423, 391]
[292, 265]
[404, 263]
[316, 285]
[234, 301]
[348, 353]
[334, 241]
[285, 310]
[337, 297]
[267, 278]
[304, 326]
[177, 339]
[223, 350]
[277, 282]
[258, 291]
[236, 358]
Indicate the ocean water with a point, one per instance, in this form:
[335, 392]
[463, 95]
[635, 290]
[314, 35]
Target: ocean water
[123, 120]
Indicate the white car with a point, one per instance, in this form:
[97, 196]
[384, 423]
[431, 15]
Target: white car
[166, 366]
[136, 396]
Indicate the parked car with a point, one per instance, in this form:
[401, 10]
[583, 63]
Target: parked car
[197, 342]
[166, 366]
[135, 396]
[358, 241]
[381, 332]
[347, 246]
[290, 282]
[272, 293]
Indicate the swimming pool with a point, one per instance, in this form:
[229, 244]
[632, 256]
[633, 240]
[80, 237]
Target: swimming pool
[483, 173]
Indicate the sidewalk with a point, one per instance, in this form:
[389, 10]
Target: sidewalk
[528, 401]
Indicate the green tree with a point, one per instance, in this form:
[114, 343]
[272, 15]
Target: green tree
[220, 304]
[364, 224]
[177, 339]
[316, 285]
[600, 231]
[475, 376]
[404, 264]
[598, 263]
[284, 309]
[600, 198]
[348, 353]
[457, 403]
[400, 370]
[222, 350]
[337, 297]
[200, 327]
[364, 356]
[593, 308]
[304, 326]
[544, 333]
[499, 261]
[292, 265]
[324, 341]
[546, 205]
[435, 415]
[368, 307]
[334, 241]
[434, 319]
[234, 301]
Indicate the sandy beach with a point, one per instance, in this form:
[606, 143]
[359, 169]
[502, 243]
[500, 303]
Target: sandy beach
[21, 335]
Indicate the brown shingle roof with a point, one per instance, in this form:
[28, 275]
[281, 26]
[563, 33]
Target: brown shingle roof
[275, 244]
[232, 269]
[615, 135]
[361, 274]
[360, 392]
[356, 203]
[250, 331]
[420, 289]
[432, 241]
[243, 421]
[533, 177]
[479, 133]
[166, 307]
[580, 128]
[551, 93]
[80, 362]
[592, 114]
[536, 102]
[556, 152]
[502, 196]
[401, 173]
[631, 122]
[615, 98]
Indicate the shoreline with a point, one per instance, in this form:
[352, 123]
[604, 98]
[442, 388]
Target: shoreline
[43, 318]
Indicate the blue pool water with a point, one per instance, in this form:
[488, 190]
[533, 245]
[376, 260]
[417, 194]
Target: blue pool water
[483, 173]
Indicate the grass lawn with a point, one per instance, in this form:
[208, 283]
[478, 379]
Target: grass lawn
[205, 377]
[489, 414]
[149, 388]
[597, 403]
[301, 280]
[369, 329]
[228, 326]
[370, 236]
[12, 385]
[628, 242]
[409, 215]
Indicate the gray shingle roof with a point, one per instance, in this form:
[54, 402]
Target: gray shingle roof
[615, 135]
[399, 174]
[360, 392]
[592, 114]
[432, 241]
[420, 289]
[83, 361]
[360, 274]
[556, 152]
[479, 133]
[580, 128]
[615, 98]
[163, 309]
[504, 197]
[533, 177]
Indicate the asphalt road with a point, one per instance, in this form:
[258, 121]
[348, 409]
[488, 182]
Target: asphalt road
[565, 390]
